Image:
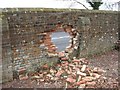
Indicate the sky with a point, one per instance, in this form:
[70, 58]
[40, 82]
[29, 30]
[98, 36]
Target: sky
[51, 4]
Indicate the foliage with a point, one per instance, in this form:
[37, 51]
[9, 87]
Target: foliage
[95, 4]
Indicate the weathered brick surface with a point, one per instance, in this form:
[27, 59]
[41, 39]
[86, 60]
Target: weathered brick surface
[20, 32]
[6, 57]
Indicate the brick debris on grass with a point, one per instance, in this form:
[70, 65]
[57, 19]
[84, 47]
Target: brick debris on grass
[74, 73]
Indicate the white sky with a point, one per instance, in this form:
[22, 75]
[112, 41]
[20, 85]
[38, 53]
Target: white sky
[48, 4]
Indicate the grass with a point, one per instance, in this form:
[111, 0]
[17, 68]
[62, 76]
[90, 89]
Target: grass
[97, 53]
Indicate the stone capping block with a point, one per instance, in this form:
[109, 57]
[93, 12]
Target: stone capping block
[84, 20]
[83, 23]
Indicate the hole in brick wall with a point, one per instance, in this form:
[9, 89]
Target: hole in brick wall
[57, 40]
[63, 38]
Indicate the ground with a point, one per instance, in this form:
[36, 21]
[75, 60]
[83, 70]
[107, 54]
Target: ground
[108, 62]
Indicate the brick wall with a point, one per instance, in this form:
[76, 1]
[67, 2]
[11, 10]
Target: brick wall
[98, 29]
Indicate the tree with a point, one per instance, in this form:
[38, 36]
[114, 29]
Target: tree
[95, 4]
[112, 5]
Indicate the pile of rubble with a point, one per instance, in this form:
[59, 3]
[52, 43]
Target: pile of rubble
[75, 73]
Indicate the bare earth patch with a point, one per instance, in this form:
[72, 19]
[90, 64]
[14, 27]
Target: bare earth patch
[109, 63]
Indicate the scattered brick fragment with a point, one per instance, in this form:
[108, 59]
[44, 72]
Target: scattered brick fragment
[83, 68]
[23, 77]
[64, 58]
[59, 73]
[70, 80]
[91, 83]
[21, 70]
[81, 73]
[61, 54]
[88, 78]
[80, 82]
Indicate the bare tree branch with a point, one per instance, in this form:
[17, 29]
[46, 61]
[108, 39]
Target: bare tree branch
[80, 3]
[76, 1]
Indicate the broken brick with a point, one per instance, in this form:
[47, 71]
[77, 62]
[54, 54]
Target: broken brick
[44, 73]
[69, 72]
[54, 78]
[21, 70]
[77, 69]
[82, 85]
[79, 78]
[54, 48]
[70, 80]
[83, 68]
[71, 65]
[88, 78]
[80, 82]
[49, 75]
[76, 60]
[61, 54]
[81, 73]
[23, 77]
[51, 54]
[97, 70]
[93, 83]
[42, 80]
[64, 58]
[59, 73]
[96, 75]
[35, 77]
[52, 71]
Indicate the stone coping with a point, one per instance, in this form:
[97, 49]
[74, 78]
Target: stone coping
[57, 10]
